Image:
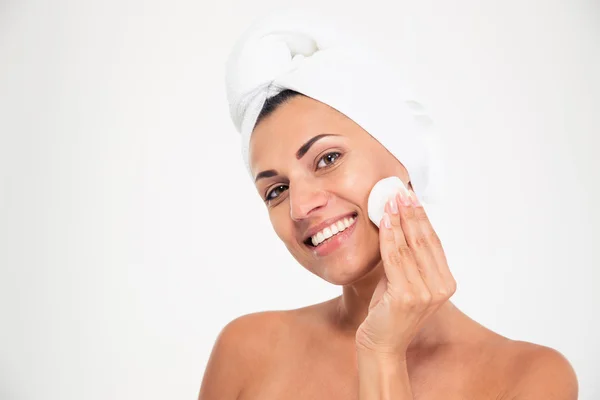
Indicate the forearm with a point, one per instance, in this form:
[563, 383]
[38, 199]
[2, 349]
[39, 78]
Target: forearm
[382, 378]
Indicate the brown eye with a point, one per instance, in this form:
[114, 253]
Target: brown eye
[328, 159]
[275, 190]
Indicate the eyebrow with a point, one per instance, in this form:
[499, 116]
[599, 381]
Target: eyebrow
[299, 154]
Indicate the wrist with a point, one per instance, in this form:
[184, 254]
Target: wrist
[382, 357]
[382, 376]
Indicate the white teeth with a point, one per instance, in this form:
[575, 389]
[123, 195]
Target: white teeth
[320, 237]
[332, 230]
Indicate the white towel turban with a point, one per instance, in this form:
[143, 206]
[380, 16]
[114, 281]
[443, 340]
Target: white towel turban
[303, 52]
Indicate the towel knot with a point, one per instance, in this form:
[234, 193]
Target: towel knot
[313, 56]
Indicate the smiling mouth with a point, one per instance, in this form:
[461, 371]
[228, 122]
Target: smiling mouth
[309, 241]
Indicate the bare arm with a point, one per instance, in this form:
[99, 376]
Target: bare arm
[382, 378]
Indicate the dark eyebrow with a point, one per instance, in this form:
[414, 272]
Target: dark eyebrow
[265, 174]
[299, 154]
[306, 146]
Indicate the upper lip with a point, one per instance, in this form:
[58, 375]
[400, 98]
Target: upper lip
[320, 226]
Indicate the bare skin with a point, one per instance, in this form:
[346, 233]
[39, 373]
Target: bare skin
[315, 359]
[311, 353]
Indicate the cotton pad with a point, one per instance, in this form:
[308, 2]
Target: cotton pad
[380, 194]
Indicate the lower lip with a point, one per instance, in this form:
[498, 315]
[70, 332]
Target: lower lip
[334, 242]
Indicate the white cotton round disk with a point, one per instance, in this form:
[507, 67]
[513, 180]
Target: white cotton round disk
[381, 192]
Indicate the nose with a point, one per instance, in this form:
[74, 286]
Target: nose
[305, 198]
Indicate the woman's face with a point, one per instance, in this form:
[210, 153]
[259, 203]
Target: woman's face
[309, 182]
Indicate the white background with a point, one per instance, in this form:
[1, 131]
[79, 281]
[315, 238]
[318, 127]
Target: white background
[130, 233]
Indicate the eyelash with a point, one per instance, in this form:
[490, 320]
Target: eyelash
[320, 159]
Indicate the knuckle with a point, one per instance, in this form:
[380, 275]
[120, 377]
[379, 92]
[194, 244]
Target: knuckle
[420, 242]
[426, 298]
[421, 215]
[453, 286]
[390, 242]
[434, 239]
[409, 300]
[395, 221]
[394, 258]
[408, 213]
[404, 251]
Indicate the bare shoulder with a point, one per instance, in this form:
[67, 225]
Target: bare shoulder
[242, 348]
[516, 370]
[540, 372]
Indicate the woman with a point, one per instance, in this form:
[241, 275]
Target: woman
[393, 333]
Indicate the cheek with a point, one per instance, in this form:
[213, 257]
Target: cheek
[282, 224]
[357, 181]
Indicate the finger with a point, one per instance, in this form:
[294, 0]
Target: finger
[429, 239]
[392, 261]
[404, 253]
[425, 262]
[393, 207]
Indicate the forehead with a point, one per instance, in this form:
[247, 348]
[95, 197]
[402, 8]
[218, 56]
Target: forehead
[290, 126]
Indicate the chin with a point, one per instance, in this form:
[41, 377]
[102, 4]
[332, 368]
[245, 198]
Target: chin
[344, 273]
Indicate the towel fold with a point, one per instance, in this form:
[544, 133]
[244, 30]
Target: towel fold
[309, 54]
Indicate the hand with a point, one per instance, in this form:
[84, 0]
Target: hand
[417, 280]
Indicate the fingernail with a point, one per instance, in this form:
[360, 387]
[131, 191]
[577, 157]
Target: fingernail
[386, 220]
[403, 198]
[393, 205]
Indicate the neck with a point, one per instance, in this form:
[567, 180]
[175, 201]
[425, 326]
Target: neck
[352, 307]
